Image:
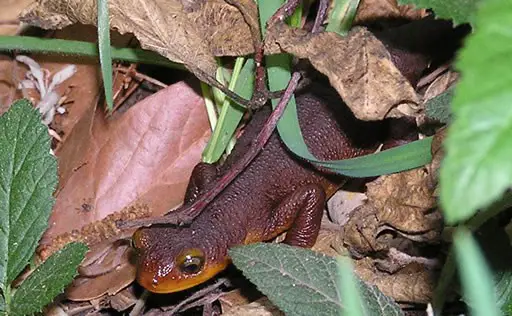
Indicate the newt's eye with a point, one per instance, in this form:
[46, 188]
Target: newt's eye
[139, 239]
[191, 261]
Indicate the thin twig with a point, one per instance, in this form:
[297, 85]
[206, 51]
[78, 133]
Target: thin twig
[140, 76]
[138, 309]
[10, 22]
[320, 16]
[198, 295]
[285, 11]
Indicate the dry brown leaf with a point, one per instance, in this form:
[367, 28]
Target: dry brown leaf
[342, 204]
[360, 233]
[405, 202]
[402, 203]
[8, 83]
[145, 156]
[370, 10]
[226, 31]
[9, 13]
[111, 282]
[440, 84]
[325, 240]
[359, 67]
[413, 284]
[191, 35]
[260, 307]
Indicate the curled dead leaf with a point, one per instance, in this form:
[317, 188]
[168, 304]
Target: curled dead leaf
[405, 201]
[106, 271]
[358, 65]
[8, 15]
[440, 84]
[402, 204]
[228, 28]
[260, 307]
[412, 284]
[371, 10]
[190, 33]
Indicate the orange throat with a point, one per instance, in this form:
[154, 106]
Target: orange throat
[175, 282]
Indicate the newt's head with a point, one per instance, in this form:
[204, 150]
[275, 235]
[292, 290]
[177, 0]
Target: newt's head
[175, 259]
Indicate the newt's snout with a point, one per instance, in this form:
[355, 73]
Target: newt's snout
[167, 268]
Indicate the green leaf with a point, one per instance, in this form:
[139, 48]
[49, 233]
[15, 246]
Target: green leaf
[477, 168]
[460, 11]
[438, 108]
[302, 282]
[48, 280]
[476, 278]
[104, 48]
[28, 176]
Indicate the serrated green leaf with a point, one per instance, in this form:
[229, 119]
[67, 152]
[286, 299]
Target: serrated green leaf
[476, 278]
[477, 168]
[460, 11]
[438, 108]
[302, 282]
[48, 280]
[28, 176]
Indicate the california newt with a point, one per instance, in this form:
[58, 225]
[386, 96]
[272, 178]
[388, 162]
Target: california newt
[277, 192]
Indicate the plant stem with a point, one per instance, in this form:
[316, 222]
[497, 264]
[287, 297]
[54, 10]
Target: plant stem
[84, 49]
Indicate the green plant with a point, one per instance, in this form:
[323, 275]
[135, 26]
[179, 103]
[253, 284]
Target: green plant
[28, 176]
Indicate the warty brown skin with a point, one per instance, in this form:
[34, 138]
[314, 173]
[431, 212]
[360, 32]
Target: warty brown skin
[277, 192]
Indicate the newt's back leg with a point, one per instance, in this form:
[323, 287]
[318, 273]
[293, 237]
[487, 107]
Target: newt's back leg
[301, 214]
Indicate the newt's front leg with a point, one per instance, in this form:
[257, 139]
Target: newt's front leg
[201, 179]
[300, 214]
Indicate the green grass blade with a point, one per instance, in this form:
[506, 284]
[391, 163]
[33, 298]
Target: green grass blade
[83, 49]
[349, 289]
[342, 15]
[104, 49]
[209, 105]
[476, 278]
[231, 113]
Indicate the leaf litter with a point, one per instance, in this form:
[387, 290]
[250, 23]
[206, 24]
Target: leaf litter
[97, 153]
